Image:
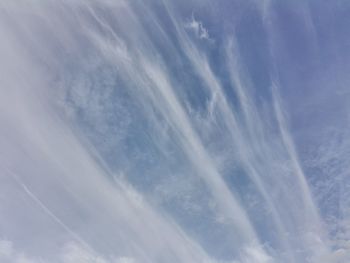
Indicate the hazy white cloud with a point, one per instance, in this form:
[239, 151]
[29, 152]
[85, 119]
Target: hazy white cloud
[120, 144]
[6, 248]
[8, 253]
[197, 28]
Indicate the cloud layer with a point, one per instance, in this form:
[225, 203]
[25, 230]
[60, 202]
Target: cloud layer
[132, 133]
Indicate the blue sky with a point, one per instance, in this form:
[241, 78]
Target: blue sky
[174, 131]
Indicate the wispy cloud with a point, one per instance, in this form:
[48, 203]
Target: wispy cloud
[197, 28]
[123, 141]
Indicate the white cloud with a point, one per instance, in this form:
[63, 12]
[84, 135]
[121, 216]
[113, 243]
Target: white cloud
[8, 253]
[6, 249]
[197, 28]
[72, 252]
[61, 188]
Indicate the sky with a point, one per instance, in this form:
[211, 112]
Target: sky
[174, 131]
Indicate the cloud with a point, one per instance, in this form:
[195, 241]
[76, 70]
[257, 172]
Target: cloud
[121, 141]
[9, 254]
[6, 248]
[71, 252]
[197, 28]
